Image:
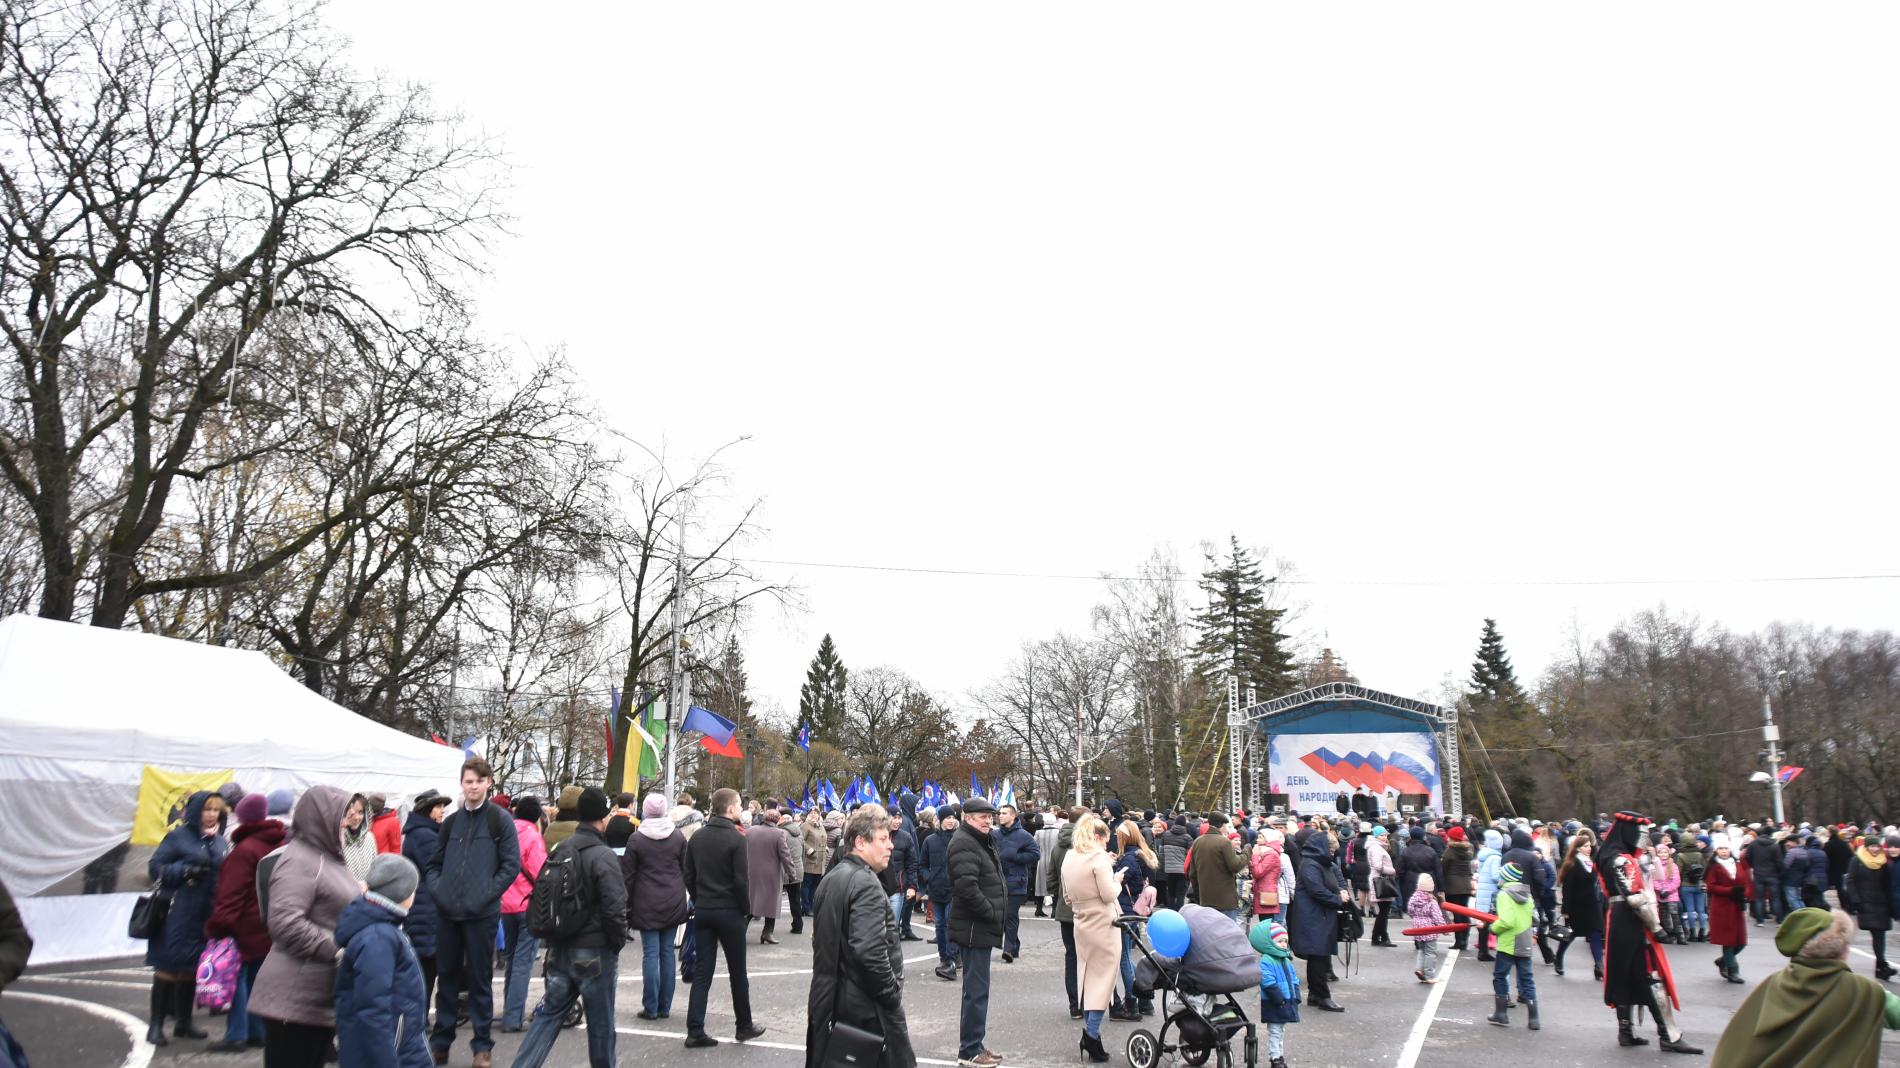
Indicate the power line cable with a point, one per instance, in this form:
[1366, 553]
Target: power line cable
[1107, 577]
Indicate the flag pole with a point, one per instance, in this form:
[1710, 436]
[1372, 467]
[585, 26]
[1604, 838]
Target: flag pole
[676, 701]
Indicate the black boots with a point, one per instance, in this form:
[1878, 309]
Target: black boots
[1501, 1015]
[1675, 1045]
[1625, 1034]
[1092, 1048]
[161, 1007]
[1532, 1006]
[183, 994]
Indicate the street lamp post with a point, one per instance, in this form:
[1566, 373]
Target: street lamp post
[1772, 735]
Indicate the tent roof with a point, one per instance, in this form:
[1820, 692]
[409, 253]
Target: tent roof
[73, 692]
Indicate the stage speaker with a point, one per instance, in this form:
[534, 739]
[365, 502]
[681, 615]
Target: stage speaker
[1416, 802]
[1277, 802]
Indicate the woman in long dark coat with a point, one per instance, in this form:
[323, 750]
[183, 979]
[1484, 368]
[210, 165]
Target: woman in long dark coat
[1582, 905]
[1313, 922]
[858, 964]
[1867, 891]
[185, 867]
[1731, 887]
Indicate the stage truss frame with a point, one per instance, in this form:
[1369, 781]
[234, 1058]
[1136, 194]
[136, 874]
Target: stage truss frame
[1247, 747]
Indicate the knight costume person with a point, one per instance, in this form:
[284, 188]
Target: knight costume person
[1635, 969]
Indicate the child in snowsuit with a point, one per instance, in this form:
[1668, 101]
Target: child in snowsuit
[1279, 987]
[1424, 912]
[1515, 915]
[1666, 877]
[381, 1019]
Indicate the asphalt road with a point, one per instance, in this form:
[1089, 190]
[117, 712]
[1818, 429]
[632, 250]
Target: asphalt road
[89, 1018]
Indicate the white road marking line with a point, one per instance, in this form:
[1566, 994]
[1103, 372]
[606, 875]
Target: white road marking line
[120, 983]
[1415, 1042]
[642, 1032]
[141, 1055]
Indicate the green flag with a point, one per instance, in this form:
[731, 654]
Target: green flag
[651, 724]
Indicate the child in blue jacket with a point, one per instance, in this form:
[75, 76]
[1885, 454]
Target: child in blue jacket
[381, 1017]
[1279, 987]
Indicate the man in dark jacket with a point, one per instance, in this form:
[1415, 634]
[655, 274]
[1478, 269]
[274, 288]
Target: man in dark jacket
[1364, 807]
[1019, 853]
[935, 870]
[978, 899]
[858, 973]
[1839, 856]
[1764, 859]
[586, 965]
[1212, 865]
[474, 863]
[722, 897]
[899, 876]
[1173, 847]
[1415, 860]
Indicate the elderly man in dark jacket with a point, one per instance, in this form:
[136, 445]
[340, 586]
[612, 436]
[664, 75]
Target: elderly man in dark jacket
[978, 899]
[584, 965]
[1212, 864]
[717, 882]
[858, 973]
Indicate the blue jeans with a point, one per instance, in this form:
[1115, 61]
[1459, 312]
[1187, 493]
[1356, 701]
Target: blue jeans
[465, 961]
[657, 977]
[1128, 967]
[946, 949]
[522, 947]
[1767, 900]
[973, 1021]
[1500, 977]
[588, 974]
[1790, 899]
[1695, 907]
[241, 1026]
[897, 910]
[812, 879]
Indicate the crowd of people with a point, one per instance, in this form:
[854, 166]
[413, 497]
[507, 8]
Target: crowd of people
[365, 936]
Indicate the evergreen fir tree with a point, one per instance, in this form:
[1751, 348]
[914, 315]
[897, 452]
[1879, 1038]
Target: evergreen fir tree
[1492, 678]
[1237, 631]
[821, 699]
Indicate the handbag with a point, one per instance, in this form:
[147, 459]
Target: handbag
[218, 974]
[1270, 899]
[852, 1047]
[1385, 888]
[148, 915]
[1145, 904]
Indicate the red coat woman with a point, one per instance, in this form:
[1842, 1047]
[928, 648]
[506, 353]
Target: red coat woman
[1728, 910]
[1265, 865]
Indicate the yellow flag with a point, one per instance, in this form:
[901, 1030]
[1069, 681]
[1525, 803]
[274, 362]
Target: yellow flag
[162, 796]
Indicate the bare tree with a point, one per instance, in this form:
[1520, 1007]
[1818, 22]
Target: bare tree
[179, 184]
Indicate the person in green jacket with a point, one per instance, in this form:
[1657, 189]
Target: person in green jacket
[1064, 915]
[1516, 916]
[1814, 1013]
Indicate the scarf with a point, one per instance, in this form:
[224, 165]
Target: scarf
[658, 828]
[1873, 858]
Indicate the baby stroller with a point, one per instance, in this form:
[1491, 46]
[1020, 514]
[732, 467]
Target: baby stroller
[1199, 1015]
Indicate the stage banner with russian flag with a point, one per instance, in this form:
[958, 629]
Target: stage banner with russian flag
[1311, 769]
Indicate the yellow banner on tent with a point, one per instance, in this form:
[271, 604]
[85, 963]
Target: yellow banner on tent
[162, 796]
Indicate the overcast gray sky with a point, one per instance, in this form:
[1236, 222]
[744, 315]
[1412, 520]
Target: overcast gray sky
[1411, 294]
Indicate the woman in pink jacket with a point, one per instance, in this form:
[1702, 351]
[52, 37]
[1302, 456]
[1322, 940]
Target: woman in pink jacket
[519, 943]
[1264, 865]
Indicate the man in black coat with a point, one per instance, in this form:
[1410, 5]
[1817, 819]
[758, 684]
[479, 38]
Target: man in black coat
[934, 879]
[1363, 805]
[585, 965]
[858, 977]
[717, 882]
[978, 898]
[475, 861]
[899, 876]
[1766, 862]
[1415, 860]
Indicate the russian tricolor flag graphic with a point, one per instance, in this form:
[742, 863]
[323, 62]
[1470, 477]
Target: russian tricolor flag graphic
[1394, 771]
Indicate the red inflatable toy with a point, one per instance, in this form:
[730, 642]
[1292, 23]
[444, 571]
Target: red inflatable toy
[1460, 910]
[1435, 929]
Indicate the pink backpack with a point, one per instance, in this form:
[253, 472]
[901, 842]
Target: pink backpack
[218, 974]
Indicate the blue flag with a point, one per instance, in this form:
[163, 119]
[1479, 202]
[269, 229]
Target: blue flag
[976, 788]
[711, 724]
[804, 737]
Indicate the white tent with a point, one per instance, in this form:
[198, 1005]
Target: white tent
[84, 710]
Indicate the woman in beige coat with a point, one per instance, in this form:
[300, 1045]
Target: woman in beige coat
[1089, 883]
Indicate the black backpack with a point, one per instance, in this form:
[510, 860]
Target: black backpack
[562, 902]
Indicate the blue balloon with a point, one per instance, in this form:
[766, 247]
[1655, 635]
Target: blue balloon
[1168, 933]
